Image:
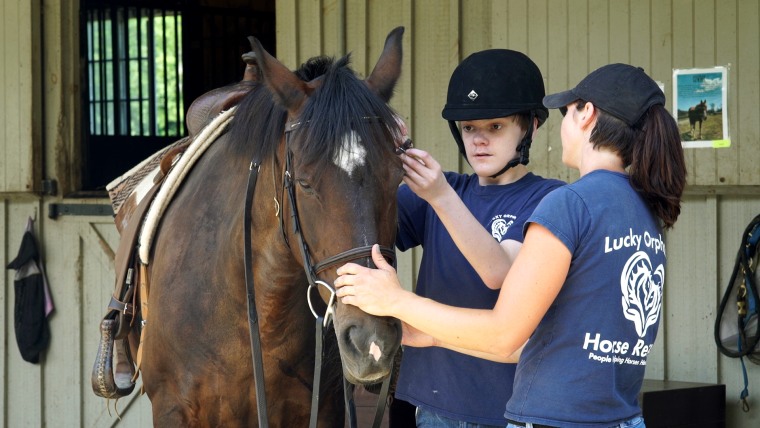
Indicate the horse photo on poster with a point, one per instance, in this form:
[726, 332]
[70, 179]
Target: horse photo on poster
[700, 106]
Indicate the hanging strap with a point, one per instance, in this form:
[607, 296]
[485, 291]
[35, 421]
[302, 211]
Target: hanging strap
[745, 392]
[382, 400]
[253, 317]
[348, 396]
[318, 353]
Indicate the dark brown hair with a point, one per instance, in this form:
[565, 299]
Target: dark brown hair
[651, 150]
[522, 120]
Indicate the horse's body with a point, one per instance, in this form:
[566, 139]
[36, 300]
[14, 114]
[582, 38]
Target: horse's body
[196, 362]
[697, 114]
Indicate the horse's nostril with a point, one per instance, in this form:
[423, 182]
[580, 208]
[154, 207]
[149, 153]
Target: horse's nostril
[353, 337]
[364, 344]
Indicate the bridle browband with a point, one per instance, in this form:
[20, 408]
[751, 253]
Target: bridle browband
[312, 271]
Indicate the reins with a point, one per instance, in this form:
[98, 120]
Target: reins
[311, 270]
[253, 316]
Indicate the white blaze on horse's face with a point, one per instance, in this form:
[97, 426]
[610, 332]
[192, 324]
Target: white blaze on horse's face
[351, 154]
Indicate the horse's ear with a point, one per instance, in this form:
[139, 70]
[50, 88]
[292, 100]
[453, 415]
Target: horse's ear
[289, 91]
[383, 78]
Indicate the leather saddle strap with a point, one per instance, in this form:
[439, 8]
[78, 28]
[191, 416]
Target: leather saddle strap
[144, 288]
[123, 261]
[127, 244]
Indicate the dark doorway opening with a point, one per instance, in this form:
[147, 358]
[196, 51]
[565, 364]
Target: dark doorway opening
[144, 62]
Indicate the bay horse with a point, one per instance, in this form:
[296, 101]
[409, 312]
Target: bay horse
[697, 114]
[321, 142]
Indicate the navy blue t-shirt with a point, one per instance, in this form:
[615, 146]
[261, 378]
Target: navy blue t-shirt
[447, 382]
[584, 364]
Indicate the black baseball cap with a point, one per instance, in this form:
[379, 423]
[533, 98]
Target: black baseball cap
[621, 90]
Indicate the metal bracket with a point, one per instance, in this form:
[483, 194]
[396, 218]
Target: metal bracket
[49, 187]
[57, 210]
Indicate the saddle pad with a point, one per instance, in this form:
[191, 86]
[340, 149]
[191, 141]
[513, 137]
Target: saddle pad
[175, 177]
[122, 187]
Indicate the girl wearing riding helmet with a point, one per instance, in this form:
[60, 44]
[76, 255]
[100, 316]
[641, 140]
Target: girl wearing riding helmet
[587, 285]
[470, 227]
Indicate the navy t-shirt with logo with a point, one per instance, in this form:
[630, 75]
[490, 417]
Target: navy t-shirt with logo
[443, 381]
[584, 364]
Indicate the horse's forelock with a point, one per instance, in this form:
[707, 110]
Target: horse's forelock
[344, 104]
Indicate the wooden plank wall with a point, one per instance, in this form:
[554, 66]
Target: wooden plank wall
[62, 93]
[20, 124]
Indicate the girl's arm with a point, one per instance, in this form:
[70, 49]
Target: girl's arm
[491, 260]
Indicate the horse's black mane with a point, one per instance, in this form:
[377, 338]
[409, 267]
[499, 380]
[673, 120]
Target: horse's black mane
[342, 103]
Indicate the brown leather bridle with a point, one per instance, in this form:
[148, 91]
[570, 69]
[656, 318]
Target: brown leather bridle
[312, 271]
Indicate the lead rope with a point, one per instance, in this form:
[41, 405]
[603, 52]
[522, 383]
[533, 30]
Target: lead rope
[253, 317]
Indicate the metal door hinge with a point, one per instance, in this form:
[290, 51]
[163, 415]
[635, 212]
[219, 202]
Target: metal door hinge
[49, 187]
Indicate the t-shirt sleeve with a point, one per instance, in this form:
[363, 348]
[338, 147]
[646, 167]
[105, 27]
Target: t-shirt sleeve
[531, 203]
[565, 214]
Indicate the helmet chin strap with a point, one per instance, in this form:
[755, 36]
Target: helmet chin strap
[523, 148]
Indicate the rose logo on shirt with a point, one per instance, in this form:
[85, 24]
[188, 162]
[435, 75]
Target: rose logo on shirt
[642, 291]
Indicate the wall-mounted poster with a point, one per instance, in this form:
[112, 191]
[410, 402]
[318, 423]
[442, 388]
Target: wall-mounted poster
[700, 106]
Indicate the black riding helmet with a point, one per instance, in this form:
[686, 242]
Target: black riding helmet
[496, 83]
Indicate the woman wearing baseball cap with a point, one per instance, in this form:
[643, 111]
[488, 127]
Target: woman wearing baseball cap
[587, 285]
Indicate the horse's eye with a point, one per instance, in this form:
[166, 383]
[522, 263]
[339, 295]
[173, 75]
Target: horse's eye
[305, 185]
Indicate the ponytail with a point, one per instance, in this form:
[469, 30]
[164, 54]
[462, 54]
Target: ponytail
[651, 151]
[658, 168]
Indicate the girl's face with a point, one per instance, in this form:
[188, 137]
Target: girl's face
[491, 143]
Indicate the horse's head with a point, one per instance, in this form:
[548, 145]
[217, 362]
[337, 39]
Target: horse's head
[341, 179]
